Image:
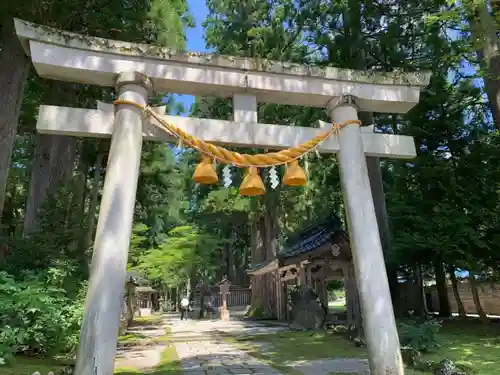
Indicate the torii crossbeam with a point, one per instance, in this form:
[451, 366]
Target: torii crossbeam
[134, 70]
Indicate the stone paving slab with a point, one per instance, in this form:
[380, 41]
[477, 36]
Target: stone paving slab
[202, 352]
[356, 366]
[205, 354]
[141, 357]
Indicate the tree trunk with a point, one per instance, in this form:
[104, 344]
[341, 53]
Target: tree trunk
[256, 246]
[270, 228]
[475, 297]
[230, 263]
[421, 305]
[76, 205]
[177, 298]
[10, 213]
[377, 188]
[244, 276]
[13, 73]
[264, 293]
[353, 29]
[76, 213]
[94, 198]
[202, 300]
[188, 287]
[454, 284]
[53, 164]
[309, 192]
[486, 42]
[356, 59]
[442, 290]
[54, 156]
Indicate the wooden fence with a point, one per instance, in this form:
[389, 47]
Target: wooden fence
[489, 295]
[238, 297]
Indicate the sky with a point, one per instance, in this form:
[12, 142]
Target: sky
[195, 36]
[195, 41]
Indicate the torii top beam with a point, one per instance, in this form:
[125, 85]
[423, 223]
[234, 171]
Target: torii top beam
[72, 57]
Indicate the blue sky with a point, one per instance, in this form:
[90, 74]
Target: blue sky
[195, 40]
[195, 36]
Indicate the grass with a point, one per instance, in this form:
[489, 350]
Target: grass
[169, 360]
[469, 344]
[297, 346]
[166, 337]
[136, 338]
[132, 338]
[27, 366]
[146, 320]
[169, 365]
[279, 348]
[332, 307]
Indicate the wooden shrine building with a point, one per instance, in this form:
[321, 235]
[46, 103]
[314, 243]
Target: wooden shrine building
[314, 257]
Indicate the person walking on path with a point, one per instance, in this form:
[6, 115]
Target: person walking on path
[184, 308]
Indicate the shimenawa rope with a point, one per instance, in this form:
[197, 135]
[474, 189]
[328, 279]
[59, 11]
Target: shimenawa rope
[225, 156]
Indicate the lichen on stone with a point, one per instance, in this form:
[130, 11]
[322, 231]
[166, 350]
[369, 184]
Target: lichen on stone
[30, 31]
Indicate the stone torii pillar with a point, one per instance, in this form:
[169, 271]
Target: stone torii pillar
[99, 332]
[379, 323]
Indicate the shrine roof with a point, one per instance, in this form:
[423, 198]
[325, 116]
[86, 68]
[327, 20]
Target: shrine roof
[312, 238]
[304, 242]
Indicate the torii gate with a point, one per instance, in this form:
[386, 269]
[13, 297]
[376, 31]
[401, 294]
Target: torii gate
[134, 69]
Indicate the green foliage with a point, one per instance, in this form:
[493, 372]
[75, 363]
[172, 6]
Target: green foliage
[187, 251]
[36, 316]
[160, 195]
[419, 336]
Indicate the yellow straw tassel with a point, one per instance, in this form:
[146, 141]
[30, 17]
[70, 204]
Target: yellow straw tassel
[252, 184]
[294, 175]
[205, 172]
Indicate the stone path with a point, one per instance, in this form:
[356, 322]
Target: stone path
[202, 353]
[141, 357]
[335, 365]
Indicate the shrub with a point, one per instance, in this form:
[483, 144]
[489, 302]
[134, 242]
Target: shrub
[419, 336]
[37, 317]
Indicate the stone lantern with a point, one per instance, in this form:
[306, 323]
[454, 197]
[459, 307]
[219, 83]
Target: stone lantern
[224, 289]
